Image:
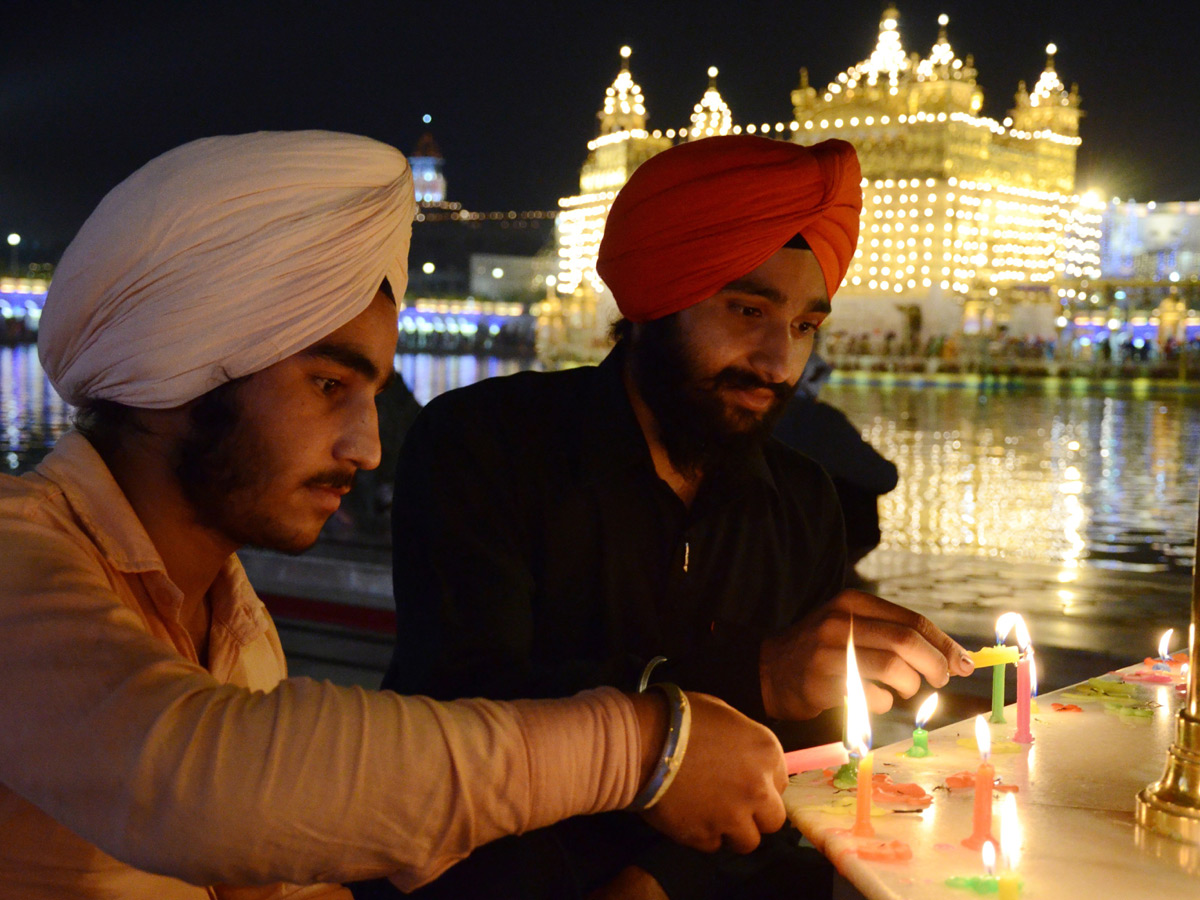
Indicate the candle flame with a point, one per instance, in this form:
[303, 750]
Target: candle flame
[858, 719]
[989, 857]
[1010, 832]
[1005, 624]
[1023, 640]
[926, 710]
[983, 737]
[1008, 622]
[1164, 643]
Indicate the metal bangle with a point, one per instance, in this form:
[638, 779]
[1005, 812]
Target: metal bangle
[645, 679]
[678, 730]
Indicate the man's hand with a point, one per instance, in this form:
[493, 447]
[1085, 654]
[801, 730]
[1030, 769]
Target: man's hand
[727, 791]
[803, 669]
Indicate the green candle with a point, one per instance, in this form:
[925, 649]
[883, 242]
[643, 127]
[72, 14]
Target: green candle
[846, 776]
[998, 692]
[980, 884]
[920, 744]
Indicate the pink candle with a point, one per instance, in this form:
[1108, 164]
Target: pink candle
[1024, 694]
[825, 756]
[985, 777]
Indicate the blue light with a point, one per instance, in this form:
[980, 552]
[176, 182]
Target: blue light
[427, 118]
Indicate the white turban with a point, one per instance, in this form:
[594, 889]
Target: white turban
[222, 257]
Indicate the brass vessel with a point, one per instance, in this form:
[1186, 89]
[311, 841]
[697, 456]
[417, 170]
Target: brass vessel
[1171, 806]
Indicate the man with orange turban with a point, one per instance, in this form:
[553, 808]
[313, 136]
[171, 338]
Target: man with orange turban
[584, 527]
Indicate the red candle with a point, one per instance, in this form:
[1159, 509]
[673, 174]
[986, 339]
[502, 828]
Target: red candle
[985, 777]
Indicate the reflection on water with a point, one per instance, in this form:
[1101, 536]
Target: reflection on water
[427, 376]
[32, 416]
[1031, 476]
[1035, 476]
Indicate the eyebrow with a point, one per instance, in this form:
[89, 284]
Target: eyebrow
[352, 359]
[749, 286]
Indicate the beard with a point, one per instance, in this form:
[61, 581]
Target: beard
[226, 465]
[699, 430]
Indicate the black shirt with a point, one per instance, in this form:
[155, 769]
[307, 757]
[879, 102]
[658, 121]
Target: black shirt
[538, 553]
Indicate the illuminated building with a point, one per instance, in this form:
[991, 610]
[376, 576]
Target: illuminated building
[1149, 284]
[472, 275]
[711, 116]
[1151, 241]
[968, 223]
[573, 318]
[426, 163]
[974, 222]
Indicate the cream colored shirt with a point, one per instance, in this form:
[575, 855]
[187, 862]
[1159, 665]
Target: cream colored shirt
[129, 770]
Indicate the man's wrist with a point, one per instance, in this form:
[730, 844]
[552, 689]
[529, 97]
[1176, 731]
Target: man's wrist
[651, 711]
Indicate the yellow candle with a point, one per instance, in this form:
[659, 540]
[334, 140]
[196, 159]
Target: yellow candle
[993, 656]
[1010, 849]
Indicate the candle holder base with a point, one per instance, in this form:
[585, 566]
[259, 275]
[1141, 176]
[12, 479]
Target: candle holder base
[1171, 806]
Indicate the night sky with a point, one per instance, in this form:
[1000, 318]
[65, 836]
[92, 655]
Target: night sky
[91, 90]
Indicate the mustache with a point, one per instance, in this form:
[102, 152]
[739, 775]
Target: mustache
[740, 379]
[336, 479]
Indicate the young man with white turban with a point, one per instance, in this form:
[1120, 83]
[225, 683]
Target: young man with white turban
[224, 321]
[618, 515]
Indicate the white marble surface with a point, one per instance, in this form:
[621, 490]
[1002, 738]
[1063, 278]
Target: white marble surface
[1076, 788]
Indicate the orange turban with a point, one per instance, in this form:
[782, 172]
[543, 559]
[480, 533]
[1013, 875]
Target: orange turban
[700, 215]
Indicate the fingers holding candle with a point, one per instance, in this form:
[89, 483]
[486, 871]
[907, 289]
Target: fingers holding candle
[801, 669]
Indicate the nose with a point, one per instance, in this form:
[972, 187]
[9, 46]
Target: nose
[358, 442]
[779, 357]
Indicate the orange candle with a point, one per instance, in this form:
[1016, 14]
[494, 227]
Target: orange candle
[858, 730]
[985, 777]
[862, 815]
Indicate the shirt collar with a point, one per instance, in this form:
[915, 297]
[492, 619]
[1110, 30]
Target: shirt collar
[100, 505]
[105, 515]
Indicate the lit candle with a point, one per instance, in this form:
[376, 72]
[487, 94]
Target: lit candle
[1164, 655]
[858, 730]
[920, 737]
[1164, 645]
[1010, 848]
[1004, 625]
[1024, 684]
[989, 861]
[1033, 682]
[985, 777]
[984, 884]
